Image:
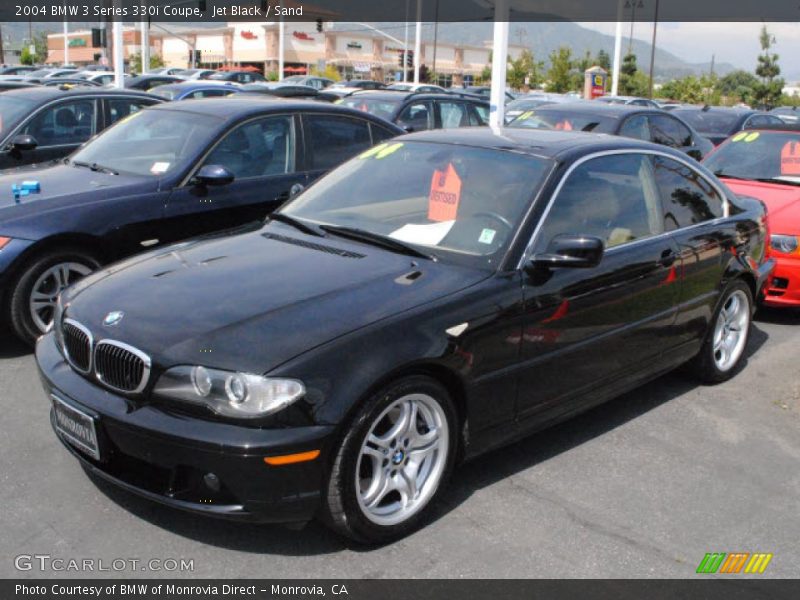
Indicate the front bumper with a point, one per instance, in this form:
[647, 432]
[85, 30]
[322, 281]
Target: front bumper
[165, 456]
[783, 288]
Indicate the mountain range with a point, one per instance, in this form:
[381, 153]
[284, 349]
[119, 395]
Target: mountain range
[542, 38]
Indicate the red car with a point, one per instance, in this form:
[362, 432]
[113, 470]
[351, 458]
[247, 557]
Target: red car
[765, 164]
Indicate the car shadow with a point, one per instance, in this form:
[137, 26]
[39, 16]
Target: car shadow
[486, 470]
[10, 346]
[778, 316]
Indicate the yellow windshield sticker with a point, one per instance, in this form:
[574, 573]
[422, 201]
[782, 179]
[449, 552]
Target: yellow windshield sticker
[390, 150]
[739, 136]
[752, 137]
[372, 151]
[129, 117]
[525, 115]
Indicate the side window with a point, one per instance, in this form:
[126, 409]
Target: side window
[613, 197]
[380, 133]
[65, 123]
[483, 113]
[668, 131]
[453, 114]
[474, 118]
[416, 117]
[335, 139]
[688, 197]
[636, 127]
[257, 149]
[210, 93]
[119, 108]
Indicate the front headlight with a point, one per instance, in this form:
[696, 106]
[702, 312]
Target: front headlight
[228, 393]
[783, 243]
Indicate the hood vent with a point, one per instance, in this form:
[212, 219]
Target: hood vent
[313, 246]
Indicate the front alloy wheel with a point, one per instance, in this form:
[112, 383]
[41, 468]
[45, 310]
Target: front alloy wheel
[48, 286]
[393, 461]
[402, 459]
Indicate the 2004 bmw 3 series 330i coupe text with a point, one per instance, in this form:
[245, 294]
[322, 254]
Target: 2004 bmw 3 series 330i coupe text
[435, 297]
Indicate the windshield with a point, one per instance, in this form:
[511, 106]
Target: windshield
[140, 144]
[380, 107]
[563, 120]
[459, 203]
[758, 155]
[12, 111]
[709, 121]
[39, 72]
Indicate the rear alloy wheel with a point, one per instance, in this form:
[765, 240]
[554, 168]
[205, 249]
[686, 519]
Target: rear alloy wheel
[393, 462]
[725, 343]
[33, 298]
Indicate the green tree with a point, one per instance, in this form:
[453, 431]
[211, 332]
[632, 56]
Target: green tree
[632, 81]
[525, 70]
[603, 60]
[768, 91]
[579, 67]
[738, 85]
[39, 56]
[135, 62]
[559, 78]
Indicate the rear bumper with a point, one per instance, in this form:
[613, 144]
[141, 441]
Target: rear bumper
[165, 457]
[783, 288]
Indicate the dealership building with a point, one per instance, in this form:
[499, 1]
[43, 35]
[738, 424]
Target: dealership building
[355, 50]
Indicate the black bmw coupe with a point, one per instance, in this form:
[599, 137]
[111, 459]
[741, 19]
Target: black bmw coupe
[417, 306]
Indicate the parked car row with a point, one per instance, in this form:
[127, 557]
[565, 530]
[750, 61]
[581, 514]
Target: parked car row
[276, 310]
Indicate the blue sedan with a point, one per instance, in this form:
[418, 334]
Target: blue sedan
[188, 90]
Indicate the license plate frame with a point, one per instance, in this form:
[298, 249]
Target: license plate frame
[82, 434]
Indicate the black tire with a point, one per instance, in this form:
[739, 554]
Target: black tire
[341, 509]
[704, 366]
[19, 313]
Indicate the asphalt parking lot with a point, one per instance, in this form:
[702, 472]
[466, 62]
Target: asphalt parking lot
[643, 486]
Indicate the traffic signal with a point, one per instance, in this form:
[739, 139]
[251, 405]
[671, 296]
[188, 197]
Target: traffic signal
[319, 25]
[98, 37]
[410, 58]
[400, 59]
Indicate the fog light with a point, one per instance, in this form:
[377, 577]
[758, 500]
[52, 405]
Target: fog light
[212, 482]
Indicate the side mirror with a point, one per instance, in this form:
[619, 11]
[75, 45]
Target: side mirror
[213, 175]
[23, 142]
[570, 251]
[405, 127]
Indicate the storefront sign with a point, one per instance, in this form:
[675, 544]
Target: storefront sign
[354, 45]
[77, 42]
[249, 35]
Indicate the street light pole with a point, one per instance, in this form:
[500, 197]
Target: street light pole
[418, 41]
[405, 48]
[66, 42]
[653, 50]
[617, 52]
[499, 58]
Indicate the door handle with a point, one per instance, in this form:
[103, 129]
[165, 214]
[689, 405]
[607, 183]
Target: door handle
[668, 258]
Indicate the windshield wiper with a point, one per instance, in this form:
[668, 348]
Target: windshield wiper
[95, 167]
[777, 180]
[377, 240]
[720, 173]
[296, 223]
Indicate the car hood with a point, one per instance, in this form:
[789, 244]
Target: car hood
[251, 301]
[783, 203]
[61, 186]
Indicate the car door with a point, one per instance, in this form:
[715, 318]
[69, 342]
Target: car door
[636, 127]
[330, 140]
[590, 331]
[692, 209]
[451, 114]
[262, 154]
[58, 128]
[416, 116]
[669, 131]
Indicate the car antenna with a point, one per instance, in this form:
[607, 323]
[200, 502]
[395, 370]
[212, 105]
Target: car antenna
[706, 108]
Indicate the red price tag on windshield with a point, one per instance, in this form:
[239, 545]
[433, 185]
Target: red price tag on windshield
[445, 195]
[790, 159]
